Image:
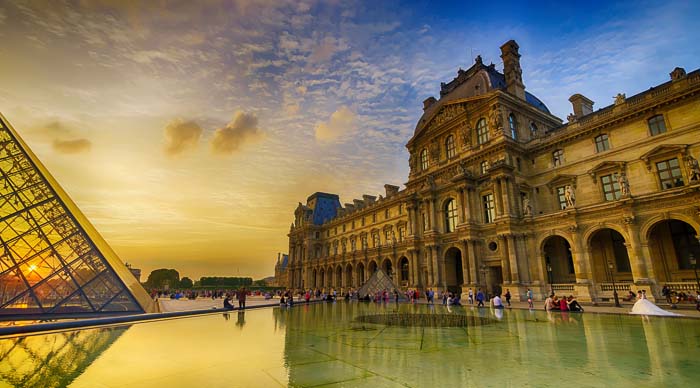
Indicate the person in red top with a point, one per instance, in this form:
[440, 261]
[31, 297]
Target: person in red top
[562, 305]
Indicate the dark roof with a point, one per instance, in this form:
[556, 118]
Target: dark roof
[324, 206]
[285, 261]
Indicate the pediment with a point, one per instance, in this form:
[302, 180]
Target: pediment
[664, 150]
[561, 180]
[606, 166]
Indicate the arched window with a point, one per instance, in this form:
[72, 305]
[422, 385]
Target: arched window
[482, 131]
[450, 216]
[450, 146]
[424, 159]
[513, 126]
[404, 269]
[557, 158]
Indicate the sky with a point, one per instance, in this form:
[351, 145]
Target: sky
[187, 132]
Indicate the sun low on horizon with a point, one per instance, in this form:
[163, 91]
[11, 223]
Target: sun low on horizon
[187, 133]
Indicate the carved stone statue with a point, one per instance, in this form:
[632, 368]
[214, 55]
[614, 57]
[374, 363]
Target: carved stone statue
[693, 168]
[571, 117]
[435, 150]
[624, 184]
[465, 134]
[620, 98]
[496, 120]
[569, 196]
[413, 162]
[527, 208]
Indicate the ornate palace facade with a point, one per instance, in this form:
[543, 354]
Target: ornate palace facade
[502, 194]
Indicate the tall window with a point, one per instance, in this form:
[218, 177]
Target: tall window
[374, 217]
[425, 220]
[533, 130]
[450, 216]
[489, 208]
[424, 159]
[353, 244]
[484, 166]
[561, 196]
[450, 146]
[375, 240]
[611, 189]
[386, 214]
[557, 158]
[602, 143]
[482, 131]
[402, 233]
[669, 174]
[656, 125]
[363, 241]
[400, 208]
[387, 236]
[513, 126]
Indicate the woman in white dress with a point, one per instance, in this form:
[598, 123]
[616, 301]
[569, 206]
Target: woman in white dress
[644, 307]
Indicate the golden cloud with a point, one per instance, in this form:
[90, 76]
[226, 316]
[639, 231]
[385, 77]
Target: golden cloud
[342, 122]
[180, 136]
[243, 128]
[72, 146]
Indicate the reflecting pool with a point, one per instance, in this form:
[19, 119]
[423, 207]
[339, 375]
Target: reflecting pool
[360, 345]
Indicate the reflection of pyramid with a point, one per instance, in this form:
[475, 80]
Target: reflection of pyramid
[378, 282]
[52, 260]
[53, 360]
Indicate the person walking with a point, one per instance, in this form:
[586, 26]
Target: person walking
[529, 298]
[470, 297]
[697, 300]
[480, 298]
[508, 296]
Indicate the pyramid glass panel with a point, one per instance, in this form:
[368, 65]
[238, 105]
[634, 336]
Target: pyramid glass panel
[52, 260]
[379, 282]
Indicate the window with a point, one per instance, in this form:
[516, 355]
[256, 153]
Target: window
[400, 208]
[533, 130]
[402, 233]
[561, 196]
[450, 146]
[424, 216]
[656, 125]
[489, 208]
[669, 174]
[363, 240]
[353, 244]
[484, 167]
[362, 221]
[387, 236]
[424, 159]
[374, 217]
[335, 248]
[386, 214]
[611, 188]
[375, 240]
[352, 225]
[513, 126]
[517, 162]
[482, 131]
[317, 235]
[602, 143]
[557, 157]
[344, 246]
[343, 228]
[450, 216]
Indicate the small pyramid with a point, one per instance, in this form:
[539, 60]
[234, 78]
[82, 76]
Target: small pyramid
[378, 282]
[52, 260]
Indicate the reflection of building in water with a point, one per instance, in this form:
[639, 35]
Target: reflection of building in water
[502, 194]
[52, 261]
[53, 360]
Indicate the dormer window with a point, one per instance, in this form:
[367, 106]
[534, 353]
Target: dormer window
[424, 159]
[513, 126]
[482, 131]
[450, 147]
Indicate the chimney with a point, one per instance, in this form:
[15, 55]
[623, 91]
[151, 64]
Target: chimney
[582, 106]
[512, 70]
[391, 190]
[350, 207]
[369, 199]
[428, 102]
[359, 204]
[278, 258]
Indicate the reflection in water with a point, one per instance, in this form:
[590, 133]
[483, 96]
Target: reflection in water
[241, 319]
[52, 360]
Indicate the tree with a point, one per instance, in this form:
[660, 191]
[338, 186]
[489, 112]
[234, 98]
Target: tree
[160, 278]
[186, 282]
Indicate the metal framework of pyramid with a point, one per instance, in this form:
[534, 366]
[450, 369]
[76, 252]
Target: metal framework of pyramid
[52, 260]
[378, 282]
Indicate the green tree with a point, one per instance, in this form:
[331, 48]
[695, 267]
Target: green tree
[186, 282]
[162, 277]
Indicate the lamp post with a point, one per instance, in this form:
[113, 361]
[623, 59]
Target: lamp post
[694, 263]
[549, 278]
[612, 276]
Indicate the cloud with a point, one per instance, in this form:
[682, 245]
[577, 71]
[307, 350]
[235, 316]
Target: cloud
[75, 146]
[243, 128]
[180, 136]
[342, 122]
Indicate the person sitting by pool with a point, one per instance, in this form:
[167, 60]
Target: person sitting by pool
[573, 304]
[549, 303]
[227, 303]
[563, 305]
[456, 300]
[283, 302]
[496, 301]
[556, 306]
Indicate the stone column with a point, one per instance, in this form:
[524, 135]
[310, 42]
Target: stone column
[507, 209]
[428, 254]
[498, 196]
[473, 263]
[462, 206]
[638, 262]
[465, 264]
[433, 215]
[505, 260]
[512, 256]
[521, 247]
[580, 257]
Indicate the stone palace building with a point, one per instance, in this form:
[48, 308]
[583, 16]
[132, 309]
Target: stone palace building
[502, 194]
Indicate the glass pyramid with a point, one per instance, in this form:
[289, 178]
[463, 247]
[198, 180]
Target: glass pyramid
[378, 282]
[52, 260]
